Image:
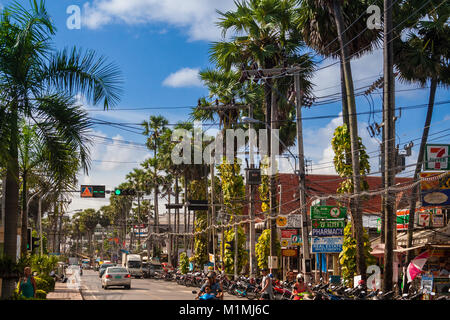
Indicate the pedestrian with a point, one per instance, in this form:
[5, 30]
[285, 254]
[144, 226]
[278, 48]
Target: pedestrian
[27, 284]
[266, 284]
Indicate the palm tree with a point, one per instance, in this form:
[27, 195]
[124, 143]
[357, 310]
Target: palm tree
[154, 129]
[317, 24]
[34, 156]
[265, 37]
[423, 57]
[335, 8]
[39, 83]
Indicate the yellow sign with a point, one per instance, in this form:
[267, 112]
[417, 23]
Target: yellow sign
[284, 243]
[281, 221]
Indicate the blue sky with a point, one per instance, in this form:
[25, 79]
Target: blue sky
[160, 45]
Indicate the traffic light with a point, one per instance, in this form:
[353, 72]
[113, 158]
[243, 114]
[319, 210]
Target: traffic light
[34, 242]
[125, 192]
[29, 248]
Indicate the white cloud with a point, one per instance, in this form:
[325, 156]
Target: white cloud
[196, 17]
[318, 146]
[185, 77]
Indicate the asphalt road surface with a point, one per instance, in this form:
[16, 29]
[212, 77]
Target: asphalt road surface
[141, 289]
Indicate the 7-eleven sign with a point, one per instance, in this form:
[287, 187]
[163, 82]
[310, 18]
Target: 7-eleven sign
[437, 157]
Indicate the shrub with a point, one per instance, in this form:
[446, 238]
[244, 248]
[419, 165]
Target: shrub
[41, 294]
[50, 280]
[42, 284]
[184, 263]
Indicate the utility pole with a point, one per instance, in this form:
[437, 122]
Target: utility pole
[389, 143]
[213, 212]
[273, 188]
[252, 207]
[302, 177]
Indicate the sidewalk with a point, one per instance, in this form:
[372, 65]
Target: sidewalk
[62, 292]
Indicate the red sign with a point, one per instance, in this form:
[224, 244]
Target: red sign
[287, 233]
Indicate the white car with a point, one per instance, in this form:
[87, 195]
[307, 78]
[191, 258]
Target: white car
[116, 276]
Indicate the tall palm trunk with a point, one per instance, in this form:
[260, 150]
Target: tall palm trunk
[185, 210]
[11, 202]
[356, 210]
[23, 244]
[177, 221]
[415, 190]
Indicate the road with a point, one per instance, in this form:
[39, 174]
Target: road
[141, 289]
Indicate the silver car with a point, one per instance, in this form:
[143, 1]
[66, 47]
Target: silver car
[116, 276]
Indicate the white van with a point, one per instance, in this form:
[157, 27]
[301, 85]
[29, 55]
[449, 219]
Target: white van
[134, 265]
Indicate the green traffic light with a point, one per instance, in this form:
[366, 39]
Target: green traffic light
[118, 192]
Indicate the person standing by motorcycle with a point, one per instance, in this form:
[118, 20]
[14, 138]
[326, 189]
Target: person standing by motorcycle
[300, 288]
[266, 284]
[213, 284]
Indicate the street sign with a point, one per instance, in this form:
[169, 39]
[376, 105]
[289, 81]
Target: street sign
[321, 224]
[435, 192]
[326, 232]
[438, 220]
[289, 252]
[273, 262]
[437, 157]
[294, 221]
[296, 240]
[198, 205]
[284, 243]
[281, 221]
[327, 244]
[328, 212]
[90, 191]
[402, 220]
[287, 233]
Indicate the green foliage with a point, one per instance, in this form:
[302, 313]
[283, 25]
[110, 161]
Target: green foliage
[43, 265]
[262, 249]
[197, 191]
[183, 262]
[233, 190]
[42, 284]
[41, 295]
[233, 187]
[347, 257]
[228, 255]
[341, 144]
[264, 187]
[8, 266]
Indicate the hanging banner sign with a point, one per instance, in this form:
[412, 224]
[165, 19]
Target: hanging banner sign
[326, 232]
[435, 192]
